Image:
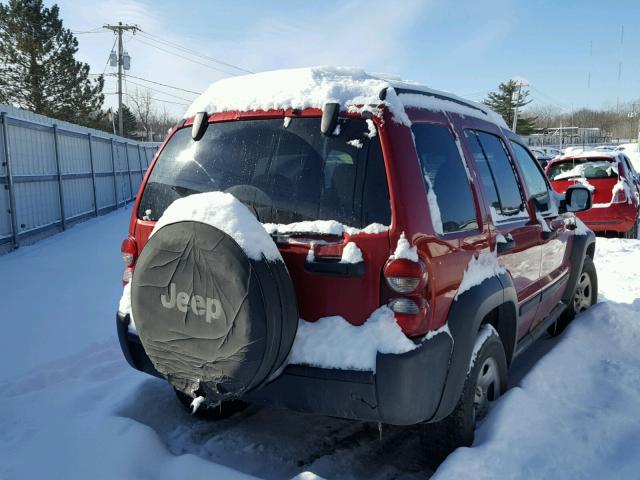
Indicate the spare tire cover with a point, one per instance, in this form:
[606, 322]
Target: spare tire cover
[212, 320]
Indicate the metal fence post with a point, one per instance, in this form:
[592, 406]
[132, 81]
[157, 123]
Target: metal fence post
[93, 176]
[12, 195]
[140, 164]
[115, 186]
[60, 190]
[126, 149]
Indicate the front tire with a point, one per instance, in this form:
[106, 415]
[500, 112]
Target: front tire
[485, 382]
[585, 295]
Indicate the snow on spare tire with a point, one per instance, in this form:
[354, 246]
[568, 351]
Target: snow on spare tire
[212, 299]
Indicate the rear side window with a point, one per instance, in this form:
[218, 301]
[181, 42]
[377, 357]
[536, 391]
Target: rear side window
[496, 172]
[444, 171]
[629, 166]
[283, 171]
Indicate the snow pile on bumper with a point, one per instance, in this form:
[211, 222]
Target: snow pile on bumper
[332, 342]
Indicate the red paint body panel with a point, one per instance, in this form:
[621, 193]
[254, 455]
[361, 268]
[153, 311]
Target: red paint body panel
[445, 256]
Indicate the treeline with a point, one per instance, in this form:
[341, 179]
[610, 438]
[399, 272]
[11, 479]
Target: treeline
[39, 73]
[619, 122]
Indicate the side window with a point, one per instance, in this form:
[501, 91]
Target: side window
[445, 174]
[629, 166]
[533, 177]
[496, 172]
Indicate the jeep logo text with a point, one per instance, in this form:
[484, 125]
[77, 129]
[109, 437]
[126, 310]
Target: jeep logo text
[210, 307]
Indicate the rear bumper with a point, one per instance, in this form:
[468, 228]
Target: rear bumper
[406, 388]
[619, 217]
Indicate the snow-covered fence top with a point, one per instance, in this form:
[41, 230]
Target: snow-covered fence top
[312, 87]
[53, 173]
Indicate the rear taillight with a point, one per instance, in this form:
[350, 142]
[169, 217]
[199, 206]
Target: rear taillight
[127, 275]
[405, 276]
[408, 279]
[619, 197]
[404, 306]
[129, 251]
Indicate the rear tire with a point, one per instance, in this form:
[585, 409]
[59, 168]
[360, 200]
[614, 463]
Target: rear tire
[485, 382]
[209, 412]
[584, 297]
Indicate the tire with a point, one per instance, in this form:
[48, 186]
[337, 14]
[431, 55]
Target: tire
[457, 430]
[212, 412]
[214, 322]
[585, 295]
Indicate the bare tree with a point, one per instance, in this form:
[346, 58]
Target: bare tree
[143, 108]
[155, 121]
[617, 122]
[161, 122]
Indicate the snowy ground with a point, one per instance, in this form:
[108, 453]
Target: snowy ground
[70, 406]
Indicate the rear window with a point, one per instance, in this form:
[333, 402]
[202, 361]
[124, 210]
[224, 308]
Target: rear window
[283, 171]
[444, 172]
[583, 168]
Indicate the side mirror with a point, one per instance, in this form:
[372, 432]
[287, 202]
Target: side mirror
[577, 198]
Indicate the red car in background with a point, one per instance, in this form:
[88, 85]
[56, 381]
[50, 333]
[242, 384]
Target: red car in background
[614, 185]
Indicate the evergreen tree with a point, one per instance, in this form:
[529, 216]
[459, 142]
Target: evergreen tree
[504, 102]
[129, 123]
[38, 71]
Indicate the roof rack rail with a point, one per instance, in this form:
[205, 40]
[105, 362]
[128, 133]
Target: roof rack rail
[401, 91]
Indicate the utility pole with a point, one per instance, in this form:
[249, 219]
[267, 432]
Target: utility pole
[118, 29]
[515, 111]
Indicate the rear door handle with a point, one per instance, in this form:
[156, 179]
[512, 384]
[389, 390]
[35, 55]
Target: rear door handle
[335, 268]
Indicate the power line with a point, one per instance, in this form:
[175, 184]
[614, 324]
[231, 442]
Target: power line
[93, 30]
[152, 98]
[158, 91]
[185, 58]
[560, 104]
[192, 52]
[161, 84]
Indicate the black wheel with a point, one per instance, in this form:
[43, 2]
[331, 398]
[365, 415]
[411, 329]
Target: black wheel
[211, 412]
[585, 295]
[485, 382]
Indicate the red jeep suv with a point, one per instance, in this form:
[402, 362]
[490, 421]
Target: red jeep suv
[332, 242]
[614, 185]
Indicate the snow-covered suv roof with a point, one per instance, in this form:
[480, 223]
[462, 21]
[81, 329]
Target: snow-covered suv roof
[312, 87]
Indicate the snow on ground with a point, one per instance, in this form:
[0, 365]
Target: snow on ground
[575, 414]
[70, 406]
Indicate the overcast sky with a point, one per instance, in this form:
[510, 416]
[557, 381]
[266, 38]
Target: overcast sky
[466, 47]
